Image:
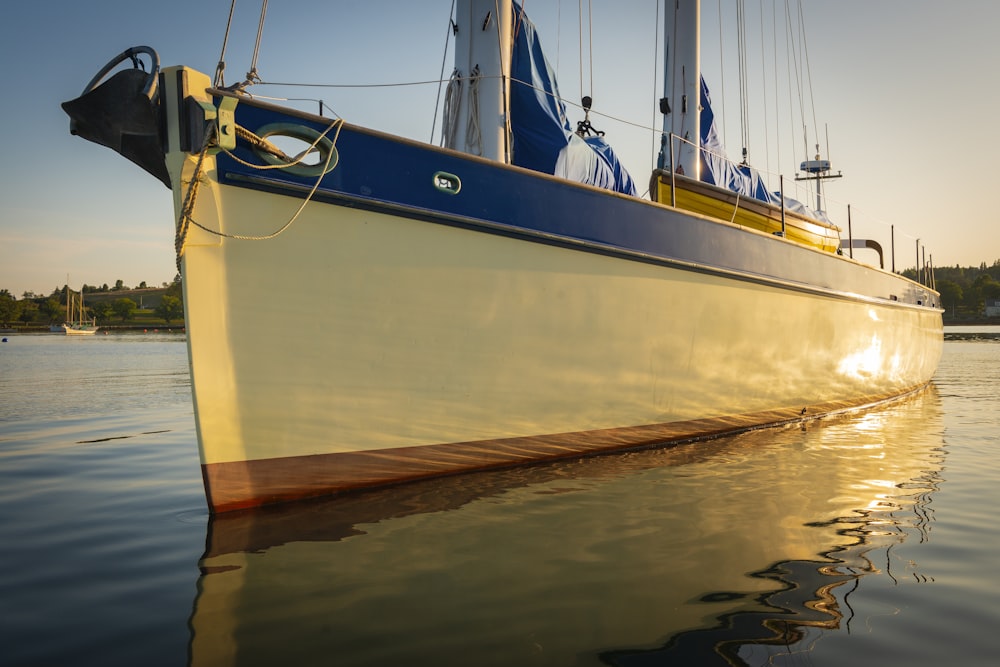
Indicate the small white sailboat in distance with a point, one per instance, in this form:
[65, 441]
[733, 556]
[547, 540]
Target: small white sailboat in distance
[76, 323]
[506, 298]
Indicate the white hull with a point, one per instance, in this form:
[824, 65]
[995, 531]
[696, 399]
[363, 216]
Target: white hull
[74, 329]
[448, 335]
[77, 331]
[361, 332]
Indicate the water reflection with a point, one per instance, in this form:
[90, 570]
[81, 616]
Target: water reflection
[810, 596]
[733, 550]
[972, 333]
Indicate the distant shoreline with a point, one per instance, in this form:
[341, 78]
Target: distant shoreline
[982, 322]
[44, 329]
[179, 328]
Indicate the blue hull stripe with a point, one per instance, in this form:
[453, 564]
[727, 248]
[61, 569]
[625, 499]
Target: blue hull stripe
[383, 173]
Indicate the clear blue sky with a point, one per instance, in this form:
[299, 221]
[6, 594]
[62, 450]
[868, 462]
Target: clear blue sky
[906, 89]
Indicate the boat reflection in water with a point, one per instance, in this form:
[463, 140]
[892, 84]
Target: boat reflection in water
[704, 551]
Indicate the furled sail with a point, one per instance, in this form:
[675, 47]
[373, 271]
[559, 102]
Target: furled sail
[543, 138]
[718, 169]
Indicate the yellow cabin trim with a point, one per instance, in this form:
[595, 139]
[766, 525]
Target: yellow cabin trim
[728, 206]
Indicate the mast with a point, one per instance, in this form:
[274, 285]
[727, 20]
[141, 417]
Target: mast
[482, 67]
[681, 102]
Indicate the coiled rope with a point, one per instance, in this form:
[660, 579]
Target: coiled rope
[452, 102]
[473, 133]
[185, 219]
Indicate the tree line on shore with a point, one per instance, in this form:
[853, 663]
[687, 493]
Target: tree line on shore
[964, 291]
[104, 304]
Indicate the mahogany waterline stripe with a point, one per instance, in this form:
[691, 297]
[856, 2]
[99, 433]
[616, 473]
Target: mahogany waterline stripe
[244, 484]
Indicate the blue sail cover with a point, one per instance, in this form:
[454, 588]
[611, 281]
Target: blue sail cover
[543, 139]
[717, 169]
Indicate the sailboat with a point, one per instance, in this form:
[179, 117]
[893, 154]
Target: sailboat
[503, 299]
[76, 323]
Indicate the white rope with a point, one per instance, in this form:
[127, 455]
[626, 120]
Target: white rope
[250, 137]
[473, 133]
[186, 219]
[736, 208]
[452, 104]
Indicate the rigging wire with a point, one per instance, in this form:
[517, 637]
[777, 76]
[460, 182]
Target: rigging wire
[220, 69]
[590, 46]
[579, 15]
[655, 59]
[763, 72]
[722, 70]
[741, 39]
[444, 57]
[808, 74]
[558, 32]
[791, 51]
[777, 101]
[529, 84]
[672, 93]
[801, 109]
[585, 92]
[800, 59]
[321, 103]
[395, 84]
[252, 76]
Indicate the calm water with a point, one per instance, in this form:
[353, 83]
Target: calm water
[865, 539]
